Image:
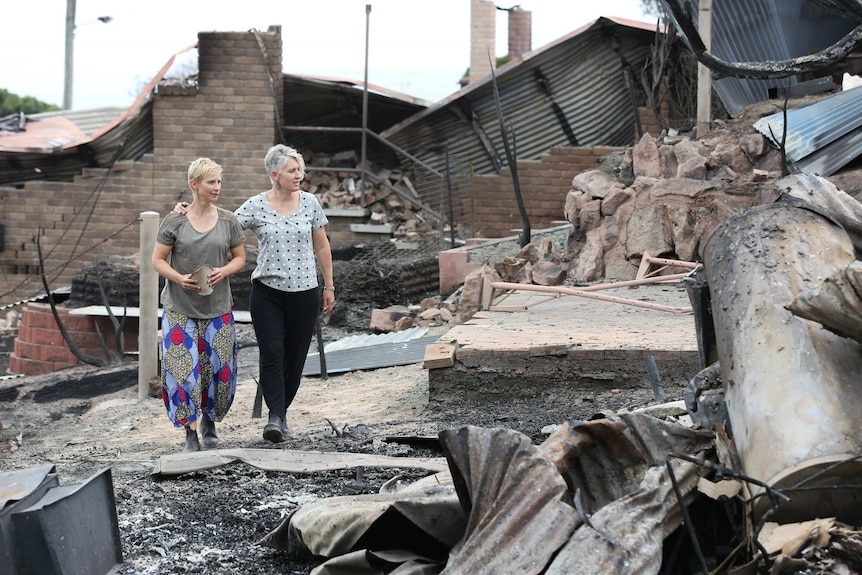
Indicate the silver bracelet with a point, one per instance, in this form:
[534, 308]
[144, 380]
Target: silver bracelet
[332, 289]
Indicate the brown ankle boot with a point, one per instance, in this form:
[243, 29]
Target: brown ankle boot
[192, 443]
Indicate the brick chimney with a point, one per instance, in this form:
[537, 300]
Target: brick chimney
[520, 32]
[483, 20]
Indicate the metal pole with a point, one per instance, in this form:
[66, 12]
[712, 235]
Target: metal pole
[70, 48]
[704, 74]
[365, 106]
[148, 352]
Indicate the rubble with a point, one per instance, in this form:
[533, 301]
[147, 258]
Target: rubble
[787, 255]
[336, 181]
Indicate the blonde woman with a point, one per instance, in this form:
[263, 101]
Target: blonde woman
[198, 335]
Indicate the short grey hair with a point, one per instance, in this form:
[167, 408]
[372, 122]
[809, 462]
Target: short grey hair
[277, 156]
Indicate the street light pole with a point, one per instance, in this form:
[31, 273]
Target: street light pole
[70, 47]
[365, 107]
[70, 50]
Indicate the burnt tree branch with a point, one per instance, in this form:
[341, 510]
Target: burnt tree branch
[513, 164]
[83, 357]
[684, 23]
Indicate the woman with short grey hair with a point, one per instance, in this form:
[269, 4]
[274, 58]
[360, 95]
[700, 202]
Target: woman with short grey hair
[285, 296]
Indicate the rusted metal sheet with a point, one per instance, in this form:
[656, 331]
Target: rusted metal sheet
[792, 388]
[508, 506]
[57, 145]
[515, 501]
[605, 458]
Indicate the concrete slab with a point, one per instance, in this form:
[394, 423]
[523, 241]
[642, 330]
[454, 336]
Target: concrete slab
[570, 342]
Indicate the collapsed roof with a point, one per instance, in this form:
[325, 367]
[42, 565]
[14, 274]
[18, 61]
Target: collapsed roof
[571, 92]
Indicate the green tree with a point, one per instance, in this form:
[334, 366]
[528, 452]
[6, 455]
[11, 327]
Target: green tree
[13, 103]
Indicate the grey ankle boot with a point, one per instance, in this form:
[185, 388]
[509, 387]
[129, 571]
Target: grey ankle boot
[208, 431]
[273, 430]
[192, 443]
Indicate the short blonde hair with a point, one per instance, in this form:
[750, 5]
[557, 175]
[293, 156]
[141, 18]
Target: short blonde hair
[200, 168]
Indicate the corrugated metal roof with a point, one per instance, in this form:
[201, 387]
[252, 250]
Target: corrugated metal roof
[821, 137]
[338, 102]
[767, 30]
[57, 148]
[569, 92]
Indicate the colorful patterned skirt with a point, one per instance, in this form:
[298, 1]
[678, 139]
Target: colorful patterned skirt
[198, 366]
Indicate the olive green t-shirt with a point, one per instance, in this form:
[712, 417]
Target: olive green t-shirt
[190, 250]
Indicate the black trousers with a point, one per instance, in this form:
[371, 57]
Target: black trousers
[283, 323]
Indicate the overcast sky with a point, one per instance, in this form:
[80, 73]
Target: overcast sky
[420, 48]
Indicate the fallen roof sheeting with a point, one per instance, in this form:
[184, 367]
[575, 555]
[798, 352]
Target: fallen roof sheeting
[822, 137]
[371, 351]
[571, 92]
[516, 512]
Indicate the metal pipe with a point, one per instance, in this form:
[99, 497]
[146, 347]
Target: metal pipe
[589, 294]
[70, 54]
[321, 129]
[365, 107]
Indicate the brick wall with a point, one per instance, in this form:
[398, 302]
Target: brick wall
[40, 347]
[544, 185]
[230, 117]
[520, 32]
[648, 122]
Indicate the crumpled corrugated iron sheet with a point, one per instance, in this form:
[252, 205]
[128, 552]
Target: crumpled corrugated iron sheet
[516, 500]
[822, 137]
[425, 521]
[517, 513]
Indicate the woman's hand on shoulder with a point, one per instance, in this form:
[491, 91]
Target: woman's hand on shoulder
[181, 208]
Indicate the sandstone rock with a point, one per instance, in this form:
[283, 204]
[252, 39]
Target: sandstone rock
[589, 265]
[403, 323]
[693, 168]
[514, 269]
[647, 232]
[615, 199]
[548, 274]
[645, 158]
[384, 320]
[595, 183]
